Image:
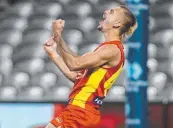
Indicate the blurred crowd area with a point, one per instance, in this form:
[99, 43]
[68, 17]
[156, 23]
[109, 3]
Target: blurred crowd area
[26, 72]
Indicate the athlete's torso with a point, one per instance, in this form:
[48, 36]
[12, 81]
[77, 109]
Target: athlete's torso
[92, 87]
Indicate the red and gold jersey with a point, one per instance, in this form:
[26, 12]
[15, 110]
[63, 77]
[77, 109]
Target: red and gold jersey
[93, 86]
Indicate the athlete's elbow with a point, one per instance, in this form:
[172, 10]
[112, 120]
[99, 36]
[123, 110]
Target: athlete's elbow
[73, 67]
[72, 76]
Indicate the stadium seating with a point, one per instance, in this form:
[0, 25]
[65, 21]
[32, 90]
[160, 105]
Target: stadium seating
[20, 80]
[47, 80]
[8, 93]
[152, 50]
[40, 22]
[6, 66]
[152, 93]
[11, 36]
[1, 79]
[152, 64]
[14, 22]
[6, 51]
[31, 93]
[26, 72]
[33, 66]
[58, 93]
[118, 92]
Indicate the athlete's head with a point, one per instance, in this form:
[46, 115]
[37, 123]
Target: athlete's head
[119, 19]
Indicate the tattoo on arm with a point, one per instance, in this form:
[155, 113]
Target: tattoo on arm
[67, 54]
[63, 45]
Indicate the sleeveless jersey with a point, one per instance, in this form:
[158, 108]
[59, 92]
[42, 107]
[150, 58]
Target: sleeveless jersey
[93, 86]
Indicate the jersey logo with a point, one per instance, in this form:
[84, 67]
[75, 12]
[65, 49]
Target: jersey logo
[98, 100]
[58, 120]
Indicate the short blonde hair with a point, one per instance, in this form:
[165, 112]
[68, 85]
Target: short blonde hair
[130, 24]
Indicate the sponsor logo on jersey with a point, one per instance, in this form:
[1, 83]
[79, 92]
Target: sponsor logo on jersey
[58, 120]
[98, 100]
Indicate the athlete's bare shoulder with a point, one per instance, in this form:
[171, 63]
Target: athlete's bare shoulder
[112, 52]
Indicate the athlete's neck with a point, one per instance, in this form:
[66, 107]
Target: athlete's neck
[112, 36]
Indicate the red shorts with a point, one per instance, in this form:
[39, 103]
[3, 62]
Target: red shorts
[77, 117]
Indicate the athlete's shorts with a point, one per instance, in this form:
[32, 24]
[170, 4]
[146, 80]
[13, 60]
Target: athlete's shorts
[76, 117]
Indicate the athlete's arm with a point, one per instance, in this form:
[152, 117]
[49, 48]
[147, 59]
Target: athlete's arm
[66, 47]
[50, 47]
[57, 28]
[58, 61]
[104, 54]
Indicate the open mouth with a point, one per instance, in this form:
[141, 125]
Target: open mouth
[102, 22]
[103, 19]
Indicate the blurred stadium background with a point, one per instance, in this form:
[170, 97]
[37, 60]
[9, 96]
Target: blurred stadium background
[28, 76]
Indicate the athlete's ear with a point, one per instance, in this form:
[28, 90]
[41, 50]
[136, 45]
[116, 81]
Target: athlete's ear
[116, 24]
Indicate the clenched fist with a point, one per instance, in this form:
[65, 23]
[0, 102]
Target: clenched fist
[57, 28]
[50, 46]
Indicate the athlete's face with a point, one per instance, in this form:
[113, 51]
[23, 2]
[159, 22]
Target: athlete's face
[112, 18]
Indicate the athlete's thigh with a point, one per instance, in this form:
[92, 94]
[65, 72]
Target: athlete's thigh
[52, 126]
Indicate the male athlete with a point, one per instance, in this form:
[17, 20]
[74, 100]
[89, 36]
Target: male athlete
[93, 73]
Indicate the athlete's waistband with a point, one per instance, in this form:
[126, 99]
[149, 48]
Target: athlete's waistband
[85, 105]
